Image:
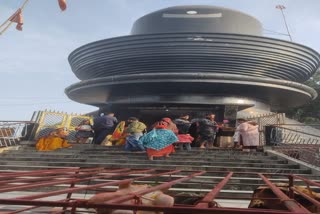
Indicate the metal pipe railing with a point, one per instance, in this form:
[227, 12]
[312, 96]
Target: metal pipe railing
[205, 202]
[12, 131]
[158, 187]
[291, 204]
[58, 192]
[77, 176]
[297, 144]
[181, 209]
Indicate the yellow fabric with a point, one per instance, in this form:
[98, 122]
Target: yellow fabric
[118, 131]
[106, 141]
[51, 143]
[118, 137]
[121, 141]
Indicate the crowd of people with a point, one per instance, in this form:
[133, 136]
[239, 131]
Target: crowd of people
[159, 139]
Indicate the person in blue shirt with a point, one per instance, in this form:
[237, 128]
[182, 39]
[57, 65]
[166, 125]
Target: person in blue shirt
[103, 125]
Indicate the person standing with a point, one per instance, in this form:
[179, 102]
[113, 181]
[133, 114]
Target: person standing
[103, 125]
[236, 137]
[249, 134]
[170, 125]
[183, 125]
[159, 141]
[84, 131]
[184, 140]
[208, 128]
[134, 130]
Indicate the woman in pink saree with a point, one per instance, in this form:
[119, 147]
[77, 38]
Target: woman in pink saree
[249, 135]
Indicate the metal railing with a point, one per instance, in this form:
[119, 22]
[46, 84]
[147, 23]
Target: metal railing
[67, 187]
[298, 141]
[11, 132]
[264, 120]
[49, 120]
[41, 124]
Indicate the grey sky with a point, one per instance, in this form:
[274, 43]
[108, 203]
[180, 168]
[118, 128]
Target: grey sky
[33, 63]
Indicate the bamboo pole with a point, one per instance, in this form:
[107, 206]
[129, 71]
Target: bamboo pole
[24, 4]
[6, 24]
[6, 28]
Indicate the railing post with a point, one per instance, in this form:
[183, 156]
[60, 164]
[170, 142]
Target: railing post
[292, 205]
[72, 185]
[291, 182]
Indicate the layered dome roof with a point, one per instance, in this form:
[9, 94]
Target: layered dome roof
[194, 51]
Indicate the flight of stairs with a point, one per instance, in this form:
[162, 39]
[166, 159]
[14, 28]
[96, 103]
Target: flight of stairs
[216, 163]
[87, 155]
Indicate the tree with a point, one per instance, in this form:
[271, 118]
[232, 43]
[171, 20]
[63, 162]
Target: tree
[309, 113]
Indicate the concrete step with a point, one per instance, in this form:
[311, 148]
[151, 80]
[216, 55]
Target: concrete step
[76, 146]
[229, 163]
[233, 184]
[198, 184]
[114, 157]
[101, 149]
[143, 157]
[156, 165]
[178, 154]
[216, 162]
[121, 149]
[174, 157]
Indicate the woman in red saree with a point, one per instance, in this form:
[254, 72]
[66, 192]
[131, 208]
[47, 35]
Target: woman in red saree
[159, 141]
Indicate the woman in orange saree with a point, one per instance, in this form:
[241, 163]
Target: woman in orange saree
[55, 140]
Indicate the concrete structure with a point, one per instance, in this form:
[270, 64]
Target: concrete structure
[193, 58]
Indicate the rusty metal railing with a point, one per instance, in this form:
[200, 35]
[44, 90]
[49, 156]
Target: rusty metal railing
[33, 190]
[297, 141]
[11, 132]
[264, 120]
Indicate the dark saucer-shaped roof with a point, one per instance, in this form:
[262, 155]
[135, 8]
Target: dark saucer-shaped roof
[197, 18]
[194, 89]
[193, 51]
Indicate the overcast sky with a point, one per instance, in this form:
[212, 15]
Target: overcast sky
[33, 63]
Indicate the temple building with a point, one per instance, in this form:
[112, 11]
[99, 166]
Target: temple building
[193, 59]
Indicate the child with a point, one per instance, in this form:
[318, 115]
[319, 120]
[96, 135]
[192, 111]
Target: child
[185, 140]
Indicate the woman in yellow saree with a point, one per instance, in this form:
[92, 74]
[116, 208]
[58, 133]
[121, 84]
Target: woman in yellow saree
[118, 137]
[55, 140]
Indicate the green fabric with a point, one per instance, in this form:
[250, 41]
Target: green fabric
[136, 127]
